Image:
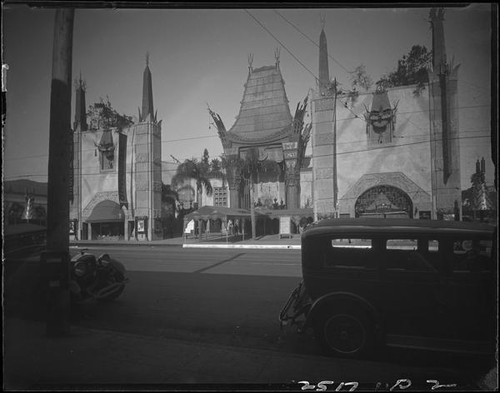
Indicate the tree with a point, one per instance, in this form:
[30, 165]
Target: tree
[40, 214]
[169, 199]
[480, 200]
[196, 170]
[250, 168]
[15, 213]
[359, 78]
[168, 195]
[217, 171]
[102, 115]
[411, 69]
[205, 163]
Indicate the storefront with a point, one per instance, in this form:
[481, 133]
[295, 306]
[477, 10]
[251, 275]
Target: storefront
[106, 221]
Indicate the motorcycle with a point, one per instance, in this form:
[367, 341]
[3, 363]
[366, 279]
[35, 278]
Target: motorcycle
[92, 278]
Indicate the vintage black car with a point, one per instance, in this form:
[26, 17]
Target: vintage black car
[397, 282]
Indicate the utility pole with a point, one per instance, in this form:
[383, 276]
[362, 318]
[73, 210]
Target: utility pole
[55, 260]
[335, 187]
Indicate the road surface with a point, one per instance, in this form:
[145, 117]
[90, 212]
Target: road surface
[233, 297]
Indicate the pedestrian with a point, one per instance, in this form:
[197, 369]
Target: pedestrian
[237, 227]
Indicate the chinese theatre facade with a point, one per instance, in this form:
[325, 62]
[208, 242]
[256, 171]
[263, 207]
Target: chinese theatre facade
[116, 189]
[266, 128]
[390, 152]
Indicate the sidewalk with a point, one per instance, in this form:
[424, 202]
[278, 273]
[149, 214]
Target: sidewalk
[96, 357]
[90, 358]
[207, 241]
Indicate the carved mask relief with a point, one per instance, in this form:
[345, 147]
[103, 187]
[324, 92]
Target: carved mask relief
[380, 119]
[107, 150]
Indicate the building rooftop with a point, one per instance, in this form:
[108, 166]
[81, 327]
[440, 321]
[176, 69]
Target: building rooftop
[264, 112]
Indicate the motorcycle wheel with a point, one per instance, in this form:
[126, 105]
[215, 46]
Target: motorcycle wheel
[112, 280]
[113, 296]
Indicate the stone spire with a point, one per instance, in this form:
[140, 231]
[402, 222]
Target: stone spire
[438, 43]
[80, 107]
[147, 95]
[324, 75]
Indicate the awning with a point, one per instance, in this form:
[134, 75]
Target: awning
[215, 212]
[106, 211]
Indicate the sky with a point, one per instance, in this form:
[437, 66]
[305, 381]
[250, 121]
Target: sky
[200, 56]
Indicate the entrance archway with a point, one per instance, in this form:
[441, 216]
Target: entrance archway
[384, 201]
[107, 220]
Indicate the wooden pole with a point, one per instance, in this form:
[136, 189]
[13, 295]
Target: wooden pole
[335, 189]
[56, 258]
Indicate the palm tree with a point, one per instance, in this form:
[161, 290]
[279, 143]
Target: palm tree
[169, 199]
[250, 169]
[217, 171]
[198, 171]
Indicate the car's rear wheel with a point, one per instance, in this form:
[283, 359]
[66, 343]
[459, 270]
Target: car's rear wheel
[345, 333]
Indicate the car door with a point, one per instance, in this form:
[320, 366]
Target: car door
[470, 291]
[410, 284]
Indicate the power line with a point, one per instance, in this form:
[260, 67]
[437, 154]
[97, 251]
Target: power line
[283, 45]
[428, 141]
[215, 136]
[295, 57]
[311, 40]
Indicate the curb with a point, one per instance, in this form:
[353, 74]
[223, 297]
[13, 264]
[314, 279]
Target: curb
[141, 244]
[254, 246]
[192, 245]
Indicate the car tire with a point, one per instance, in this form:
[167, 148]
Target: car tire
[347, 333]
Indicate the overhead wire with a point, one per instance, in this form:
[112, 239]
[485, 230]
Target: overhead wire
[304, 66]
[283, 45]
[311, 40]
[427, 141]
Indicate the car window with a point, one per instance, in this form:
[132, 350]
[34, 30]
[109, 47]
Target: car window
[401, 244]
[410, 255]
[472, 256]
[351, 253]
[432, 246]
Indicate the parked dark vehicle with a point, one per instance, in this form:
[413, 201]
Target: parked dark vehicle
[421, 284]
[23, 240]
[92, 278]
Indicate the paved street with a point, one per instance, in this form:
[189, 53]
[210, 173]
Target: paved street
[279, 263]
[222, 300]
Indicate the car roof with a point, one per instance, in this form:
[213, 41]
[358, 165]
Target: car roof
[395, 225]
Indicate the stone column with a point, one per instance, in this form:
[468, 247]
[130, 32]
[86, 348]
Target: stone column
[233, 179]
[292, 182]
[292, 175]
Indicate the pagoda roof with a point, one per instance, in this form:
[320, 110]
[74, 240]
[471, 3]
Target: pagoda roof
[264, 113]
